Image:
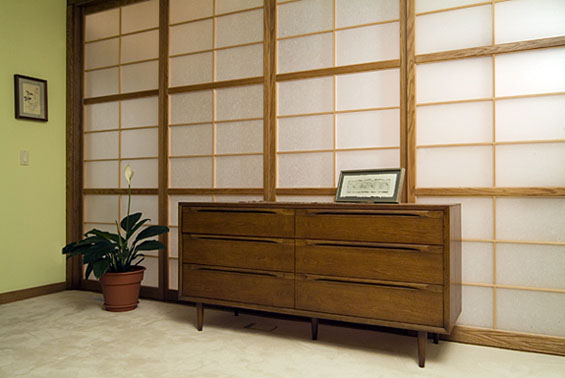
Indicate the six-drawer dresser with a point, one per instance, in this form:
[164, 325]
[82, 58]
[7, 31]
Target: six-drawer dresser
[390, 265]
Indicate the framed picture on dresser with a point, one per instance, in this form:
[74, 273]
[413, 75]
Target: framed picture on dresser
[370, 185]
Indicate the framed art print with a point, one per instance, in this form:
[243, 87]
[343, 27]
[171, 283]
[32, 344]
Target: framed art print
[31, 98]
[370, 185]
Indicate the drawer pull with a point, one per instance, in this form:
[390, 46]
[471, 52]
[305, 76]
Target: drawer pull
[367, 282]
[370, 246]
[236, 271]
[401, 287]
[235, 239]
[237, 211]
[367, 213]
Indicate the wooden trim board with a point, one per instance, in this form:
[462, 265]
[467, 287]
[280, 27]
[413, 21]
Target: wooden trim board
[18, 295]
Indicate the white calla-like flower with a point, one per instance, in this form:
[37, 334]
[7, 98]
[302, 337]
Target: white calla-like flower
[128, 172]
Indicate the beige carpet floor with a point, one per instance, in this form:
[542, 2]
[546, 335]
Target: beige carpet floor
[68, 334]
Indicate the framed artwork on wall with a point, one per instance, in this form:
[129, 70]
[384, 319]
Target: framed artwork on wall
[370, 185]
[30, 98]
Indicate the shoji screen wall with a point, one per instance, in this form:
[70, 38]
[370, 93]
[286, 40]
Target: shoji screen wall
[490, 126]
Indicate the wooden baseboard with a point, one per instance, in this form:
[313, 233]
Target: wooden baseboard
[18, 295]
[508, 340]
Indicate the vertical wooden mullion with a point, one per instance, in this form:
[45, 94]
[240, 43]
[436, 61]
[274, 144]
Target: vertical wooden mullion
[494, 244]
[119, 110]
[335, 95]
[214, 34]
[403, 93]
[163, 114]
[269, 101]
[410, 103]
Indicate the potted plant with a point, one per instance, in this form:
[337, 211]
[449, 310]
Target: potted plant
[114, 258]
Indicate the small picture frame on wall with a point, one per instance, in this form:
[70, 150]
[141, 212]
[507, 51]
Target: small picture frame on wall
[30, 98]
[370, 185]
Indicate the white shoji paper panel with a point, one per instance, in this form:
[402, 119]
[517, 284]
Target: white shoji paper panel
[147, 205]
[306, 53]
[530, 311]
[359, 12]
[101, 145]
[101, 82]
[226, 6]
[454, 123]
[239, 102]
[368, 44]
[312, 170]
[347, 160]
[237, 198]
[535, 118]
[102, 25]
[306, 96]
[101, 116]
[101, 54]
[151, 274]
[530, 265]
[191, 172]
[173, 242]
[521, 20]
[239, 137]
[477, 262]
[308, 199]
[102, 227]
[173, 274]
[369, 129]
[140, 76]
[141, 16]
[191, 140]
[140, 46]
[140, 112]
[476, 214]
[530, 72]
[174, 205]
[530, 219]
[432, 5]
[100, 208]
[477, 307]
[146, 173]
[306, 133]
[239, 28]
[462, 79]
[239, 62]
[454, 167]
[457, 29]
[303, 17]
[186, 10]
[239, 171]
[191, 69]
[530, 165]
[181, 37]
[140, 143]
[368, 90]
[101, 174]
[191, 107]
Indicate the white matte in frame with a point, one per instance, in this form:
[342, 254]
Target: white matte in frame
[226, 6]
[530, 311]
[140, 143]
[433, 5]
[452, 167]
[239, 28]
[140, 16]
[368, 44]
[368, 90]
[100, 208]
[376, 159]
[306, 96]
[306, 53]
[102, 24]
[522, 165]
[146, 173]
[140, 46]
[103, 145]
[310, 170]
[191, 69]
[182, 40]
[173, 274]
[477, 262]
[306, 133]
[174, 205]
[101, 54]
[303, 17]
[148, 205]
[239, 102]
[454, 123]
[101, 82]
[239, 62]
[101, 174]
[101, 116]
[151, 274]
[191, 172]
[191, 107]
[360, 12]
[140, 112]
[530, 219]
[379, 128]
[521, 20]
[477, 306]
[239, 171]
[462, 79]
[187, 10]
[530, 72]
[457, 29]
[191, 140]
[140, 76]
[239, 137]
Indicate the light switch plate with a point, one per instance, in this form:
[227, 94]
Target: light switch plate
[24, 157]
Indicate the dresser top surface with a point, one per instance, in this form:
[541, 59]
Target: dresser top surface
[321, 205]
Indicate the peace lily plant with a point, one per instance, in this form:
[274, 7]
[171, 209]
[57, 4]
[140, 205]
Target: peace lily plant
[103, 251]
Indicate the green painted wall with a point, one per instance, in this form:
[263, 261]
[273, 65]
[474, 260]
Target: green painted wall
[32, 198]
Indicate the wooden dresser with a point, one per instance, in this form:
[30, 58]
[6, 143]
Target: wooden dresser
[390, 265]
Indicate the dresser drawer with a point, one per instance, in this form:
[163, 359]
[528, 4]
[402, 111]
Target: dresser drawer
[386, 226]
[238, 221]
[269, 289]
[390, 262]
[239, 251]
[418, 304]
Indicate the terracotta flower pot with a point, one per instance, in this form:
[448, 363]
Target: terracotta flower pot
[121, 290]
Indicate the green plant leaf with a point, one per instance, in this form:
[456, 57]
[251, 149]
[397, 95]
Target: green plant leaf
[98, 251]
[100, 267]
[89, 268]
[151, 231]
[150, 245]
[129, 221]
[138, 224]
[105, 235]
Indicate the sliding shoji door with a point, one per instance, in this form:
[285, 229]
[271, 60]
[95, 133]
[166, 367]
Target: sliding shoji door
[121, 48]
[490, 134]
[338, 92]
[216, 105]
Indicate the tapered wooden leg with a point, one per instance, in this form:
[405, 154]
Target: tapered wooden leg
[235, 312]
[422, 337]
[199, 316]
[314, 328]
[436, 338]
